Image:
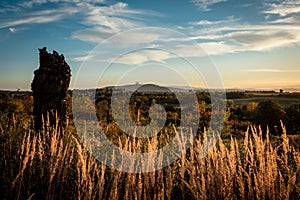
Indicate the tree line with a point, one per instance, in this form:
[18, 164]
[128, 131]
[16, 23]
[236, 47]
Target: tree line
[266, 114]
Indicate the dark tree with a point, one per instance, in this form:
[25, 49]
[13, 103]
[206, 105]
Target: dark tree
[293, 119]
[268, 114]
[50, 85]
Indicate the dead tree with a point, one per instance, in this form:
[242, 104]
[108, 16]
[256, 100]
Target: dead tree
[50, 86]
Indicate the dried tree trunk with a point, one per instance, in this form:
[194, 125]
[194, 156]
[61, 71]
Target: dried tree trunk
[50, 85]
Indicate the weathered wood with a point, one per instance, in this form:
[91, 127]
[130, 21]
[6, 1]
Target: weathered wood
[50, 85]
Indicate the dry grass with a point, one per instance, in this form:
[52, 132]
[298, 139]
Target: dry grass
[54, 165]
[250, 170]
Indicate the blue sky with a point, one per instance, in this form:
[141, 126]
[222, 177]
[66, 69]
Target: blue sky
[252, 43]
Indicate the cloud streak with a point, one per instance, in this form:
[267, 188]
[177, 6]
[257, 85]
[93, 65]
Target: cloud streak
[105, 21]
[231, 35]
[142, 56]
[82, 58]
[31, 3]
[205, 4]
[270, 70]
[283, 8]
[22, 15]
[32, 20]
[288, 20]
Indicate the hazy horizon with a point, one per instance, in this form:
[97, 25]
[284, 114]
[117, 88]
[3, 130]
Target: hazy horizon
[182, 87]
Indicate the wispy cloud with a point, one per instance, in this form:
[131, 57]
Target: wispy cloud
[32, 3]
[205, 4]
[12, 30]
[264, 70]
[205, 22]
[281, 29]
[82, 58]
[31, 20]
[202, 49]
[21, 15]
[270, 70]
[105, 21]
[254, 40]
[283, 8]
[213, 40]
[287, 20]
[232, 35]
[142, 56]
[100, 20]
[122, 39]
[115, 18]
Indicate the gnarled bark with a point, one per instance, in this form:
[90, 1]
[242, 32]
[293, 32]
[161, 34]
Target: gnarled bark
[50, 85]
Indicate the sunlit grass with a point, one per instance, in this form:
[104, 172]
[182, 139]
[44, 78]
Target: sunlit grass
[53, 164]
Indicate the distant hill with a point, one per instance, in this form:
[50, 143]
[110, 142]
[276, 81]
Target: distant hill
[150, 88]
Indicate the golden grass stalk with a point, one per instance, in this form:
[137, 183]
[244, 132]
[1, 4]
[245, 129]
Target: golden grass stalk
[251, 168]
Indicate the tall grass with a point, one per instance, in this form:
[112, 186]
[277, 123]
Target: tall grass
[53, 164]
[253, 169]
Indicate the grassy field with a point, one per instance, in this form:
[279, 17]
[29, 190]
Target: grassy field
[244, 98]
[283, 101]
[54, 165]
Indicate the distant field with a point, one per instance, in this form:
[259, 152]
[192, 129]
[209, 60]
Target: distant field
[283, 101]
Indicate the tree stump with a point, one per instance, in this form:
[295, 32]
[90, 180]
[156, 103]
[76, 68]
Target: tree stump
[50, 86]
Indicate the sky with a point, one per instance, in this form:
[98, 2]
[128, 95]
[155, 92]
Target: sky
[245, 44]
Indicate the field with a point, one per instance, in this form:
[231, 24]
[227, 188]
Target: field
[285, 99]
[54, 163]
